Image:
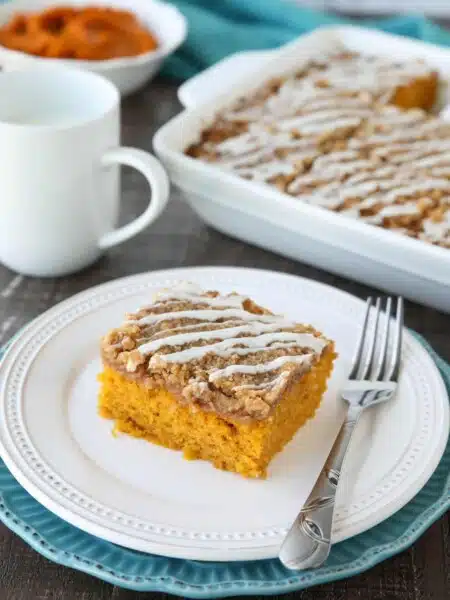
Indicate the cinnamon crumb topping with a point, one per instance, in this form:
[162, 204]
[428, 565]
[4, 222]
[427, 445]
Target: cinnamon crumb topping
[222, 353]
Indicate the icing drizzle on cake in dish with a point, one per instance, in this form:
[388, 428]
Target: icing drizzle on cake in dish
[328, 136]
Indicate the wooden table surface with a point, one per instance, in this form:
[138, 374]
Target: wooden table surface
[179, 238]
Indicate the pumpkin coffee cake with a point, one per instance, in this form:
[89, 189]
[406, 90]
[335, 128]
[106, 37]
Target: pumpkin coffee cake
[348, 133]
[215, 376]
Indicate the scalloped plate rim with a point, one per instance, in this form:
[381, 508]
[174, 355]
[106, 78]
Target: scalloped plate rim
[204, 591]
[372, 556]
[127, 536]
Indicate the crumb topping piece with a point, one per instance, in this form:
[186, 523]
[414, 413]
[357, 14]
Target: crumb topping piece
[224, 353]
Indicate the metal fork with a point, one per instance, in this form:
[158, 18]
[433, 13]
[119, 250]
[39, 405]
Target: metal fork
[372, 380]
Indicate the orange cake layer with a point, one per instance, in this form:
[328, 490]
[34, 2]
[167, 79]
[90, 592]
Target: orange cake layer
[216, 377]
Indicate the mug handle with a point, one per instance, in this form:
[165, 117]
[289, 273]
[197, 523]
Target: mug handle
[157, 178]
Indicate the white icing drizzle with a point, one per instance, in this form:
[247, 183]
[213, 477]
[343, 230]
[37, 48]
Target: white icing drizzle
[205, 315]
[395, 210]
[300, 156]
[330, 171]
[376, 74]
[298, 144]
[257, 369]
[330, 126]
[192, 327]
[341, 156]
[395, 187]
[409, 134]
[245, 160]
[323, 119]
[352, 212]
[441, 172]
[278, 381]
[332, 102]
[197, 298]
[416, 188]
[380, 173]
[343, 76]
[257, 343]
[251, 140]
[436, 231]
[228, 331]
[421, 146]
[267, 171]
[413, 170]
[346, 168]
[249, 114]
[431, 161]
[391, 116]
[304, 105]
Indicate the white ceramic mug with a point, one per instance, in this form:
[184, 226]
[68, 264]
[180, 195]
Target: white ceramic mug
[59, 173]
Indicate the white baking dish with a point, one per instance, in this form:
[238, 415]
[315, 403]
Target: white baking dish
[262, 215]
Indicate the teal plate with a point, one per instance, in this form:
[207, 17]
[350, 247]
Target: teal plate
[64, 544]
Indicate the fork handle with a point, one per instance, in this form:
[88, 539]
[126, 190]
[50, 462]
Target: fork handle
[307, 544]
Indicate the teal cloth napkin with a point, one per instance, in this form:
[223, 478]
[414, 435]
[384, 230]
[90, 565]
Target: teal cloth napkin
[220, 27]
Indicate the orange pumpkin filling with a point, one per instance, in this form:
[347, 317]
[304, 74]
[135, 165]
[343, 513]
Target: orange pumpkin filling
[89, 33]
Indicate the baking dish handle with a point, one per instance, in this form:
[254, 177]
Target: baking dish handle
[218, 78]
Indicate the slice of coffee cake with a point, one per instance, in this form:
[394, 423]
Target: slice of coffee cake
[215, 376]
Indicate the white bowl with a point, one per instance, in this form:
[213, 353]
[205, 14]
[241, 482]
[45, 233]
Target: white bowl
[128, 74]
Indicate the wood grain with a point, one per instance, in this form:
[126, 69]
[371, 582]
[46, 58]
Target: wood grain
[179, 238]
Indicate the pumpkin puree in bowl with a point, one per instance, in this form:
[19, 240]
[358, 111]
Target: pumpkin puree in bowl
[85, 33]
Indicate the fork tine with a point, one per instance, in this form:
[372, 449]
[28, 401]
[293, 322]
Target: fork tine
[368, 361]
[359, 348]
[394, 367]
[383, 355]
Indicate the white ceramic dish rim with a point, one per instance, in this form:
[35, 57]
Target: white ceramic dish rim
[120, 538]
[153, 6]
[196, 119]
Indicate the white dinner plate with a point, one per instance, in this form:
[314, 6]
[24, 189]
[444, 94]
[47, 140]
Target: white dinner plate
[148, 498]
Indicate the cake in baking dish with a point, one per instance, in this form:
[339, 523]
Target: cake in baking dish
[349, 133]
[215, 376]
